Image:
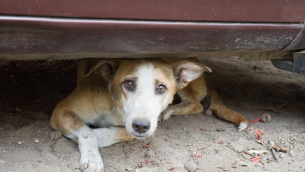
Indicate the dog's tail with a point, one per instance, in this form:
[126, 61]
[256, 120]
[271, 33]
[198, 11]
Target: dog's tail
[221, 111]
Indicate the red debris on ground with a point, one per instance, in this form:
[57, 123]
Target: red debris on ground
[256, 159]
[171, 169]
[259, 134]
[255, 120]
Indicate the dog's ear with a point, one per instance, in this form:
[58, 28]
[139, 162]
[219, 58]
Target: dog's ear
[187, 71]
[107, 68]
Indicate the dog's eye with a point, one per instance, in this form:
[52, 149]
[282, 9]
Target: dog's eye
[128, 84]
[161, 89]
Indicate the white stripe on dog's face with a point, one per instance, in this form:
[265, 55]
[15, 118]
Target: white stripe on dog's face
[142, 101]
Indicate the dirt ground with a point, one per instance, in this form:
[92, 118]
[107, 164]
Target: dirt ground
[30, 90]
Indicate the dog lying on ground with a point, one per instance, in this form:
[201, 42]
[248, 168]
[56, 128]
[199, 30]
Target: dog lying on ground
[123, 98]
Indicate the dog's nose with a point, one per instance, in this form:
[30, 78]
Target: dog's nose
[141, 126]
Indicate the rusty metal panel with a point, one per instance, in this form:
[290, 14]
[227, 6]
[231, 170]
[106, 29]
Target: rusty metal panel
[26, 35]
[178, 10]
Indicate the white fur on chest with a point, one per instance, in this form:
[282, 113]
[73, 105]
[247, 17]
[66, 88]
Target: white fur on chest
[107, 119]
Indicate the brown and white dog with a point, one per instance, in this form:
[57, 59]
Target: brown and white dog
[123, 99]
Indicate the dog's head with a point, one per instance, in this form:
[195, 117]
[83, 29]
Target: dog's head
[142, 89]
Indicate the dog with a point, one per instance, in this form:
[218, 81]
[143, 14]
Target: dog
[117, 100]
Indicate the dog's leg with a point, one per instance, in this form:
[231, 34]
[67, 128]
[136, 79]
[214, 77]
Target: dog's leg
[73, 127]
[109, 136]
[189, 105]
[88, 139]
[202, 91]
[223, 112]
[90, 156]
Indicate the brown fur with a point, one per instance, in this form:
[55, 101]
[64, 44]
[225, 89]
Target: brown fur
[195, 92]
[97, 100]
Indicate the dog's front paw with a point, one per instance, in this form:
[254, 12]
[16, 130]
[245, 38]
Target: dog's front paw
[167, 114]
[92, 162]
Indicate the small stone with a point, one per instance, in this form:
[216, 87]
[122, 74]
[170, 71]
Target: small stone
[190, 166]
[136, 170]
[19, 143]
[208, 112]
[149, 153]
[243, 164]
[266, 117]
[56, 135]
[36, 141]
[282, 155]
[291, 153]
[271, 144]
[220, 129]
[193, 153]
